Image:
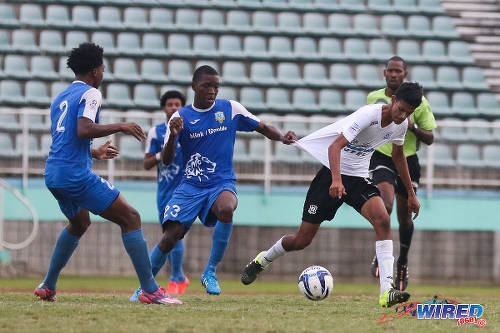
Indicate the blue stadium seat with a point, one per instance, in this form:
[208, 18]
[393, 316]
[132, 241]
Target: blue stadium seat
[51, 42]
[31, 15]
[179, 71]
[135, 18]
[118, 95]
[83, 17]
[238, 21]
[125, 70]
[488, 105]
[205, 46]
[289, 23]
[152, 70]
[42, 67]
[161, 19]
[233, 73]
[315, 24]
[230, 47]
[424, 75]
[280, 48]
[145, 96]
[10, 93]
[277, 100]
[252, 99]
[75, 38]
[330, 100]
[304, 100]
[212, 21]
[355, 49]
[15, 67]
[57, 16]
[305, 48]
[36, 94]
[315, 75]
[288, 74]
[354, 99]
[341, 75]
[380, 49]
[23, 41]
[340, 24]
[254, 47]
[263, 22]
[180, 45]
[365, 25]
[330, 49]
[153, 44]
[7, 16]
[262, 73]
[128, 44]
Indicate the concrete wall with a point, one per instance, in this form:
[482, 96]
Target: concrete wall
[435, 256]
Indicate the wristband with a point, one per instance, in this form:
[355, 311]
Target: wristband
[158, 156]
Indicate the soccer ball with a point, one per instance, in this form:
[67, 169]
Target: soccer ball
[316, 283]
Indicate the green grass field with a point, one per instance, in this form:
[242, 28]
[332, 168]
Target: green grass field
[101, 305]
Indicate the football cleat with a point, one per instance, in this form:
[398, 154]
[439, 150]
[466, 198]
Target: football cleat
[182, 285]
[45, 294]
[253, 269]
[374, 267]
[158, 297]
[211, 284]
[172, 287]
[392, 297]
[135, 296]
[402, 276]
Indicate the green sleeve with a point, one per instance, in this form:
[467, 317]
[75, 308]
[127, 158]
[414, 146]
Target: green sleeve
[423, 116]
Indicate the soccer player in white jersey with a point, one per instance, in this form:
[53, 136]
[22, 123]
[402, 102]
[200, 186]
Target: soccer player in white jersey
[206, 132]
[68, 175]
[345, 148]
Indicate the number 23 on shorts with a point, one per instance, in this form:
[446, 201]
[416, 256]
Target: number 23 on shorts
[173, 212]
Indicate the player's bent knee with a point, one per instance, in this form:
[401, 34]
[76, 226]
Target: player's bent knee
[226, 214]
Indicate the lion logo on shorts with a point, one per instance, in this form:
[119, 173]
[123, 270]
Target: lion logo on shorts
[199, 166]
[312, 209]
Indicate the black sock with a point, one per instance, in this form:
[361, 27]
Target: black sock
[405, 235]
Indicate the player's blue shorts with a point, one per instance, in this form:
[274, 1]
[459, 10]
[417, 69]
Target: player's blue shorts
[94, 194]
[189, 202]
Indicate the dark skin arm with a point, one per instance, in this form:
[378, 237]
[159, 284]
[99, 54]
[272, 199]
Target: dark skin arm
[337, 189]
[273, 133]
[426, 136]
[150, 161]
[87, 129]
[402, 167]
[168, 152]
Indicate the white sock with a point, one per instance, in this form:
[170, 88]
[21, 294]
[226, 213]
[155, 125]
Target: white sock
[385, 263]
[274, 252]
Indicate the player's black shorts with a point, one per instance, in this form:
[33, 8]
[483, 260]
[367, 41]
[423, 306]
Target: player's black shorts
[320, 206]
[382, 169]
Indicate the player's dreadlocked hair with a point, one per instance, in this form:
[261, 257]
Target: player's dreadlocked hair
[410, 92]
[203, 70]
[172, 94]
[85, 58]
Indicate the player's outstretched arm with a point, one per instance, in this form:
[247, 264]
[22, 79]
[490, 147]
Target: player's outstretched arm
[273, 133]
[337, 189]
[87, 129]
[175, 125]
[426, 136]
[402, 166]
[105, 152]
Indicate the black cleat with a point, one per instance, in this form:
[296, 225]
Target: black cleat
[253, 269]
[374, 267]
[402, 276]
[392, 297]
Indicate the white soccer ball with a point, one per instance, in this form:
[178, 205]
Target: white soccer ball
[316, 283]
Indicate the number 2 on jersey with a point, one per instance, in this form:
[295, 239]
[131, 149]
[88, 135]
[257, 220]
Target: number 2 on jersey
[64, 108]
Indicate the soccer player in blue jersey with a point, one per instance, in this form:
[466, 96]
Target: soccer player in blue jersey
[68, 175]
[206, 130]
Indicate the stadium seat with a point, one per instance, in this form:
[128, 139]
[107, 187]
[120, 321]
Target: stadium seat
[75, 38]
[419, 26]
[56, 88]
[296, 123]
[128, 44]
[7, 16]
[405, 7]
[57, 16]
[135, 18]
[212, 21]
[31, 15]
[131, 148]
[83, 17]
[240, 151]
[118, 95]
[33, 149]
[314, 24]
[238, 22]
[233, 73]
[365, 25]
[179, 71]
[7, 149]
[23, 41]
[380, 6]
[280, 48]
[42, 67]
[495, 131]
[252, 99]
[341, 75]
[448, 78]
[305, 5]
[315, 75]
[479, 134]
[380, 49]
[4, 41]
[204, 46]
[153, 44]
[125, 69]
[230, 47]
[287, 154]
[330, 100]
[288, 74]
[279, 5]
[488, 105]
[354, 99]
[224, 4]
[491, 156]
[263, 22]
[254, 47]
[468, 156]
[108, 74]
[179, 45]
[45, 143]
[106, 41]
[393, 26]
[340, 24]
[9, 122]
[110, 18]
[161, 19]
[262, 73]
[256, 150]
[145, 96]
[355, 6]
[368, 76]
[15, 67]
[355, 49]
[36, 94]
[439, 103]
[289, 23]
[186, 20]
[249, 4]
[330, 49]
[459, 53]
[442, 156]
[152, 71]
[305, 49]
[303, 100]
[51, 42]
[433, 52]
[430, 6]
[409, 50]
[423, 75]
[278, 101]
[443, 27]
[462, 104]
[65, 72]
[453, 133]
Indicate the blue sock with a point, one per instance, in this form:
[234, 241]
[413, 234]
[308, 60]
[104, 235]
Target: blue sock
[137, 249]
[220, 239]
[158, 259]
[175, 258]
[65, 246]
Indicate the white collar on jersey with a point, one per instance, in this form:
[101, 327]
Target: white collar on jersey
[202, 110]
[77, 81]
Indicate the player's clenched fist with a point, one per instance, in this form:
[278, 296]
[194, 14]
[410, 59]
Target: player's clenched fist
[134, 130]
[176, 125]
[289, 137]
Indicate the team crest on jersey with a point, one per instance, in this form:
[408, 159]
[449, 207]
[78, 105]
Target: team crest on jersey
[388, 136]
[219, 116]
[199, 166]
